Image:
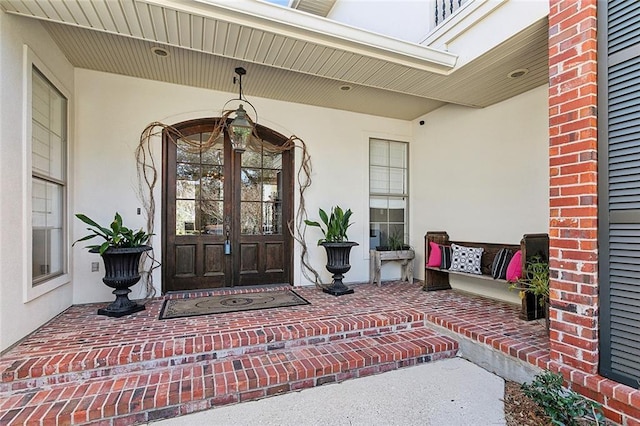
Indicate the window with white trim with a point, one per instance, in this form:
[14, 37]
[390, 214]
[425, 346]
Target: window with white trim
[388, 192]
[48, 179]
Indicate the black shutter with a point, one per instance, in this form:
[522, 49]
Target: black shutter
[623, 30]
[619, 189]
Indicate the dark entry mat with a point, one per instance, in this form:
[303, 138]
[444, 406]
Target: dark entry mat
[179, 308]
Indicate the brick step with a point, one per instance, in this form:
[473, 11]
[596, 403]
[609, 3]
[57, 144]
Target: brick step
[28, 371]
[169, 391]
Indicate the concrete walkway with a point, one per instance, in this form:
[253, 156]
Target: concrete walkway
[451, 392]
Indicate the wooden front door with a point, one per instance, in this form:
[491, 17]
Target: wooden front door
[225, 214]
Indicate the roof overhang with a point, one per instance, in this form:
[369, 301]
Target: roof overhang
[324, 32]
[317, 7]
[151, 16]
[292, 56]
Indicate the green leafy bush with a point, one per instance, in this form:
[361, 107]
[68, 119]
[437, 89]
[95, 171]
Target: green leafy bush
[535, 280]
[565, 407]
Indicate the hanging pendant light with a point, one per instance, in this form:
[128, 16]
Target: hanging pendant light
[241, 128]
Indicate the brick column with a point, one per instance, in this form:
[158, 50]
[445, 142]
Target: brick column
[573, 183]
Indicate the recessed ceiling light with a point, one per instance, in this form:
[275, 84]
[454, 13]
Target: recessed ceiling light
[521, 72]
[345, 87]
[160, 51]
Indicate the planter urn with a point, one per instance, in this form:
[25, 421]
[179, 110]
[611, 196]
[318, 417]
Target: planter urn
[122, 270]
[531, 307]
[338, 265]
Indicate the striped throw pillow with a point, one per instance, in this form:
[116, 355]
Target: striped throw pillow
[500, 264]
[445, 257]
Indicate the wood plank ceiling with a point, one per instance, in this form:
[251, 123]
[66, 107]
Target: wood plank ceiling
[204, 48]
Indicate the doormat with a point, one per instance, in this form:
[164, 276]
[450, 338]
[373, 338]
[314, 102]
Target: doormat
[225, 303]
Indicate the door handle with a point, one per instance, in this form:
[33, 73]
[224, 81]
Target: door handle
[227, 245]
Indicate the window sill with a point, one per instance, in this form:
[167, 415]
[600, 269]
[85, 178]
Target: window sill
[32, 292]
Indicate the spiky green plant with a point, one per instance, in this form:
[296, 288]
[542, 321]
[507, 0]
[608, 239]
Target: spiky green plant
[335, 225]
[396, 241]
[535, 280]
[116, 235]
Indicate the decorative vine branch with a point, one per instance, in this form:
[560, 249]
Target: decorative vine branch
[148, 178]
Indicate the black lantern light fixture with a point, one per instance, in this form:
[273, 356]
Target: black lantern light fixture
[241, 127]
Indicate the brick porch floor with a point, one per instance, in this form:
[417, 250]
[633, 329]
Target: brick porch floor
[83, 368]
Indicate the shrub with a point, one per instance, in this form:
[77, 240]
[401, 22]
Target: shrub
[564, 406]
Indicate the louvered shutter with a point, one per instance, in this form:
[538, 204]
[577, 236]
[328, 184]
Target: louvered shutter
[619, 156]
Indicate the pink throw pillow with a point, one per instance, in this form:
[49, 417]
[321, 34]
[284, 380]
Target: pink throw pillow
[434, 255]
[514, 270]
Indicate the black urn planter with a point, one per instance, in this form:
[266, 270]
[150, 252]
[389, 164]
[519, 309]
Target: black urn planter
[547, 318]
[121, 267]
[531, 307]
[338, 265]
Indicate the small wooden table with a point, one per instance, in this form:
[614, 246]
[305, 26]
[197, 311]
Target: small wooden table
[405, 257]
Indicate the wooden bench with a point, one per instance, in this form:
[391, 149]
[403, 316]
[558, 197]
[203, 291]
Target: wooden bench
[405, 257]
[531, 245]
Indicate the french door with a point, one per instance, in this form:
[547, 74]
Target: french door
[225, 213]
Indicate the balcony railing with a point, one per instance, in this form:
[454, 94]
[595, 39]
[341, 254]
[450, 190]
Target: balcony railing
[446, 8]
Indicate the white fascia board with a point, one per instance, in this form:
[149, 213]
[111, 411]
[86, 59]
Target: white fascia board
[469, 13]
[502, 19]
[314, 29]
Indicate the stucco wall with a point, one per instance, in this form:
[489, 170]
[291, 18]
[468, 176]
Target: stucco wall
[481, 175]
[407, 20]
[500, 153]
[112, 111]
[17, 317]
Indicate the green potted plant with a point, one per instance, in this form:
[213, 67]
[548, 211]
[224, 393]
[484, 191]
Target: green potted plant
[536, 282]
[337, 246]
[395, 242]
[120, 252]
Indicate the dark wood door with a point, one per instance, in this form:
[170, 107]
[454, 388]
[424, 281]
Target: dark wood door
[225, 213]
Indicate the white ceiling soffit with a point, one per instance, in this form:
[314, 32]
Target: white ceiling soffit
[204, 25]
[316, 7]
[132, 57]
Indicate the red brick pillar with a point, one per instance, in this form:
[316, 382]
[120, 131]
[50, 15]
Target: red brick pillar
[573, 183]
